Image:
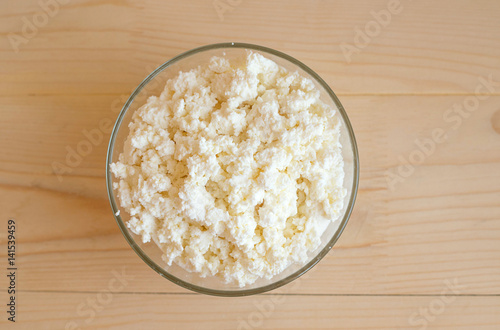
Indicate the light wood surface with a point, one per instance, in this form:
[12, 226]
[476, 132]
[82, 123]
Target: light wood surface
[419, 253]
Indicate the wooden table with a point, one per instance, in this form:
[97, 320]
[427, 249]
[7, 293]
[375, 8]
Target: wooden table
[422, 248]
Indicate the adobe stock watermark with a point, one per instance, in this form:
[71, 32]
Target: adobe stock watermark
[32, 23]
[223, 6]
[92, 306]
[265, 307]
[263, 310]
[453, 119]
[372, 29]
[429, 313]
[96, 136]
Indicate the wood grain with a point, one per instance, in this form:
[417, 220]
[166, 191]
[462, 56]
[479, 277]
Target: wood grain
[406, 240]
[428, 48]
[58, 310]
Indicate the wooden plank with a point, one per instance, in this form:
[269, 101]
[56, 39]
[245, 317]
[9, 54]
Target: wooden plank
[426, 48]
[102, 309]
[385, 126]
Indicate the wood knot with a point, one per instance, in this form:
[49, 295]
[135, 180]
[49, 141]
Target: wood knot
[495, 121]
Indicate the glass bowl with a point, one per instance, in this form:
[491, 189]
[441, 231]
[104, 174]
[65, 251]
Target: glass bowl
[153, 85]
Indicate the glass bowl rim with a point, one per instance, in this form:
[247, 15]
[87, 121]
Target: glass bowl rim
[243, 292]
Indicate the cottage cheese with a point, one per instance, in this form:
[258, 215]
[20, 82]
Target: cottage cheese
[235, 170]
